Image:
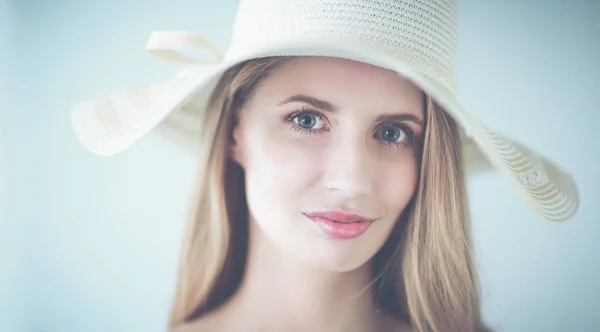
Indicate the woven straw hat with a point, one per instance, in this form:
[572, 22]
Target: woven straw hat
[416, 38]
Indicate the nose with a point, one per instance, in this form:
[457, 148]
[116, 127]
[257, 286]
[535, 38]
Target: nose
[348, 168]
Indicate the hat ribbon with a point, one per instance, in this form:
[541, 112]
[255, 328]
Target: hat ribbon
[168, 44]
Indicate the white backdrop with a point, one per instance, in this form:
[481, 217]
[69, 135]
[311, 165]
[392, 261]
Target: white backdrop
[94, 241]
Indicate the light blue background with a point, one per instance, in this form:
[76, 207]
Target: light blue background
[91, 244]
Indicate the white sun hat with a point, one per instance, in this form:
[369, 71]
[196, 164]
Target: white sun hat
[416, 38]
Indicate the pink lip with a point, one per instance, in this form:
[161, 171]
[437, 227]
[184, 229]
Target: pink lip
[340, 225]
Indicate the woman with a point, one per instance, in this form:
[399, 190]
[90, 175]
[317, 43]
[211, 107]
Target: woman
[333, 156]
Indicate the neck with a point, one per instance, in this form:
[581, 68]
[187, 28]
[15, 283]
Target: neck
[278, 291]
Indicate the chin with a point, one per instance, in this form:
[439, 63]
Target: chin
[335, 255]
[304, 242]
[332, 263]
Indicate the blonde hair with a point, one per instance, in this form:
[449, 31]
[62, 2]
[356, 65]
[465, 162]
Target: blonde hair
[426, 276]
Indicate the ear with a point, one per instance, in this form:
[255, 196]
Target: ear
[234, 147]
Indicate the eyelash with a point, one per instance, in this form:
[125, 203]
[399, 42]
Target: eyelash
[304, 131]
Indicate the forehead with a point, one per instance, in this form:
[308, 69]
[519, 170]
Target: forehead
[346, 83]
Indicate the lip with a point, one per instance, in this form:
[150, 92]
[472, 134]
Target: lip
[340, 216]
[339, 224]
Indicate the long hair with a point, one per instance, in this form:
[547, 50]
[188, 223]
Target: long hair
[425, 273]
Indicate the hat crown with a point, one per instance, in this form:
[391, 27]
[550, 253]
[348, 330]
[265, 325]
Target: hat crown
[424, 32]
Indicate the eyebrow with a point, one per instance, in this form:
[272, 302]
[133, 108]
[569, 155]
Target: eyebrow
[326, 106]
[315, 102]
[400, 117]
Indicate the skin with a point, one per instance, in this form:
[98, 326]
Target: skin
[346, 159]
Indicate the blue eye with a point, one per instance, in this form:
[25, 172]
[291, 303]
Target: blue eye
[391, 134]
[306, 120]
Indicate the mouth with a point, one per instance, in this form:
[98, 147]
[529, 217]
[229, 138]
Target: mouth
[340, 225]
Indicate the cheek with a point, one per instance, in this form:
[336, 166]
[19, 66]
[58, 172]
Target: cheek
[280, 164]
[397, 184]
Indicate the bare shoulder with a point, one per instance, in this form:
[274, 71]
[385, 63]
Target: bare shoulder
[213, 322]
[200, 325]
[195, 326]
[392, 323]
[203, 324]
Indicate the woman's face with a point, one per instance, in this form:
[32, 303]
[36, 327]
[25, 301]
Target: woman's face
[330, 153]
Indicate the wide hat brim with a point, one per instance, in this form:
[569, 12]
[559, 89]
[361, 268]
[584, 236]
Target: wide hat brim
[110, 124]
